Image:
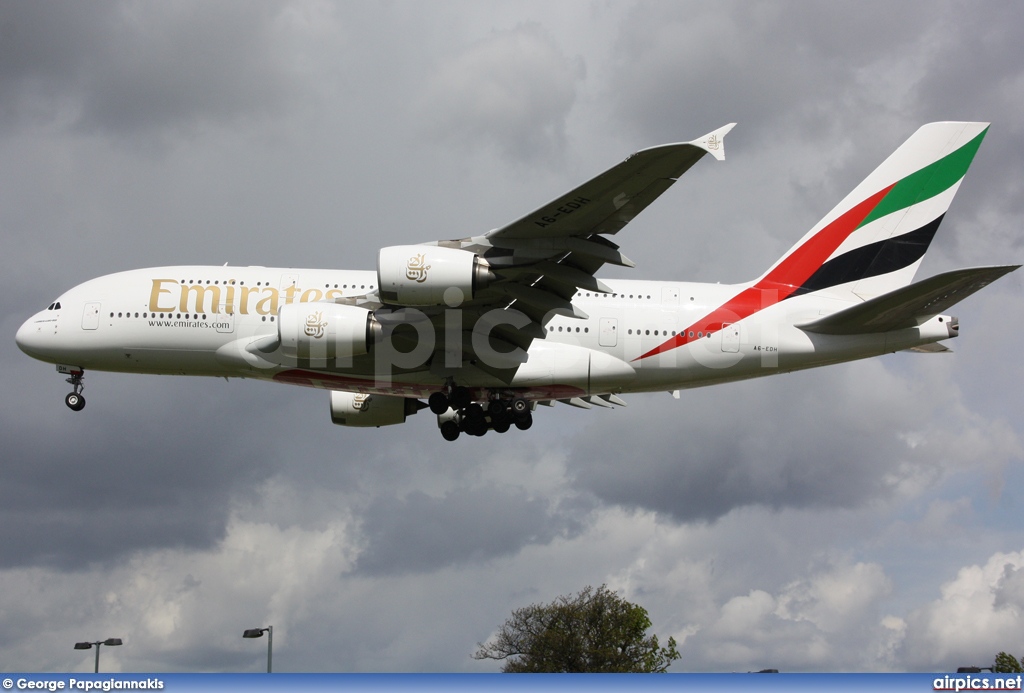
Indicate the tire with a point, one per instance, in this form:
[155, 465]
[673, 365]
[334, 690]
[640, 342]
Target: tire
[438, 402]
[461, 398]
[450, 430]
[501, 426]
[525, 422]
[74, 401]
[475, 413]
[496, 408]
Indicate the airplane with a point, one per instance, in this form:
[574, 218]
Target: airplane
[486, 328]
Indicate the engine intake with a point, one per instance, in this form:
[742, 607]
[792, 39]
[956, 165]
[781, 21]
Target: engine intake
[419, 275]
[326, 330]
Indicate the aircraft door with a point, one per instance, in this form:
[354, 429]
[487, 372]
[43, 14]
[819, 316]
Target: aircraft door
[225, 317]
[289, 280]
[731, 337]
[607, 335]
[225, 323]
[91, 316]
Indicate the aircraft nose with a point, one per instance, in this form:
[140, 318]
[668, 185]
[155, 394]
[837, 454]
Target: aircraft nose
[31, 337]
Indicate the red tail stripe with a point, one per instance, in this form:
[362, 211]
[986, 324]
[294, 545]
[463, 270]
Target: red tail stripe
[781, 281]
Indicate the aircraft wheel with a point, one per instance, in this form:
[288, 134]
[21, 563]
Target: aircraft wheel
[475, 413]
[525, 422]
[501, 426]
[461, 397]
[438, 402]
[450, 430]
[496, 407]
[476, 428]
[74, 401]
[520, 408]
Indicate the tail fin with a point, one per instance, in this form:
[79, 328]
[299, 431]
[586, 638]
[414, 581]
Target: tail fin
[874, 240]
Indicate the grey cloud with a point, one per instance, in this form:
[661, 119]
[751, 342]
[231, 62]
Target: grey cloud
[422, 533]
[117, 67]
[126, 476]
[805, 440]
[513, 90]
[784, 67]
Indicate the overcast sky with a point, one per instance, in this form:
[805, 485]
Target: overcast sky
[867, 516]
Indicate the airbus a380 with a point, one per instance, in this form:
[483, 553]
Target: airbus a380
[486, 328]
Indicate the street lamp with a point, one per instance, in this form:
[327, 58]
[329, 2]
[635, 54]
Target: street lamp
[109, 642]
[258, 633]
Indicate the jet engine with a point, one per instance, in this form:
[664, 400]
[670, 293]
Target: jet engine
[324, 330]
[357, 409]
[419, 275]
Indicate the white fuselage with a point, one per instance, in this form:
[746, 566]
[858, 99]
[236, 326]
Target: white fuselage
[199, 320]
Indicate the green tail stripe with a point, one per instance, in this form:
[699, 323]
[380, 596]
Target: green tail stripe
[928, 182]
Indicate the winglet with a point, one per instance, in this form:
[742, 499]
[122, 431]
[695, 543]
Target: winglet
[714, 142]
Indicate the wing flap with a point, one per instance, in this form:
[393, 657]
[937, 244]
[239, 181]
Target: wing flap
[932, 348]
[911, 305]
[544, 301]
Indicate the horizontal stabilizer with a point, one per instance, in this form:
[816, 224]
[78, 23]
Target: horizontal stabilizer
[911, 305]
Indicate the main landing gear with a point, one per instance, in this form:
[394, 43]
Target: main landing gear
[457, 413]
[75, 400]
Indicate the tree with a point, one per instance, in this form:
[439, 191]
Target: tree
[1007, 664]
[592, 631]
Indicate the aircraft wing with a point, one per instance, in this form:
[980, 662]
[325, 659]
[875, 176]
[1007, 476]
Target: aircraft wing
[541, 260]
[911, 305]
[606, 203]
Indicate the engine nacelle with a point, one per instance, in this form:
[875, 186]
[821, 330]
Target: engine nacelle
[358, 409]
[326, 330]
[419, 275]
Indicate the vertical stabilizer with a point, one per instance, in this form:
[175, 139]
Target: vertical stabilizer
[874, 240]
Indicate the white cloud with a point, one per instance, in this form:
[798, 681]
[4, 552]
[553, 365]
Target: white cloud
[980, 613]
[809, 624]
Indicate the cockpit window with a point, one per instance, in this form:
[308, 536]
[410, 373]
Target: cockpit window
[54, 306]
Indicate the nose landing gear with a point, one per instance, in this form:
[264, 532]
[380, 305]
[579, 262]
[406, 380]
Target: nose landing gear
[75, 400]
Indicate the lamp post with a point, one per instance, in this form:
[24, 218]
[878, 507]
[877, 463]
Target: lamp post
[109, 642]
[258, 633]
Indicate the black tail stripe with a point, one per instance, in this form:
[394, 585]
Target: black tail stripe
[873, 259]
